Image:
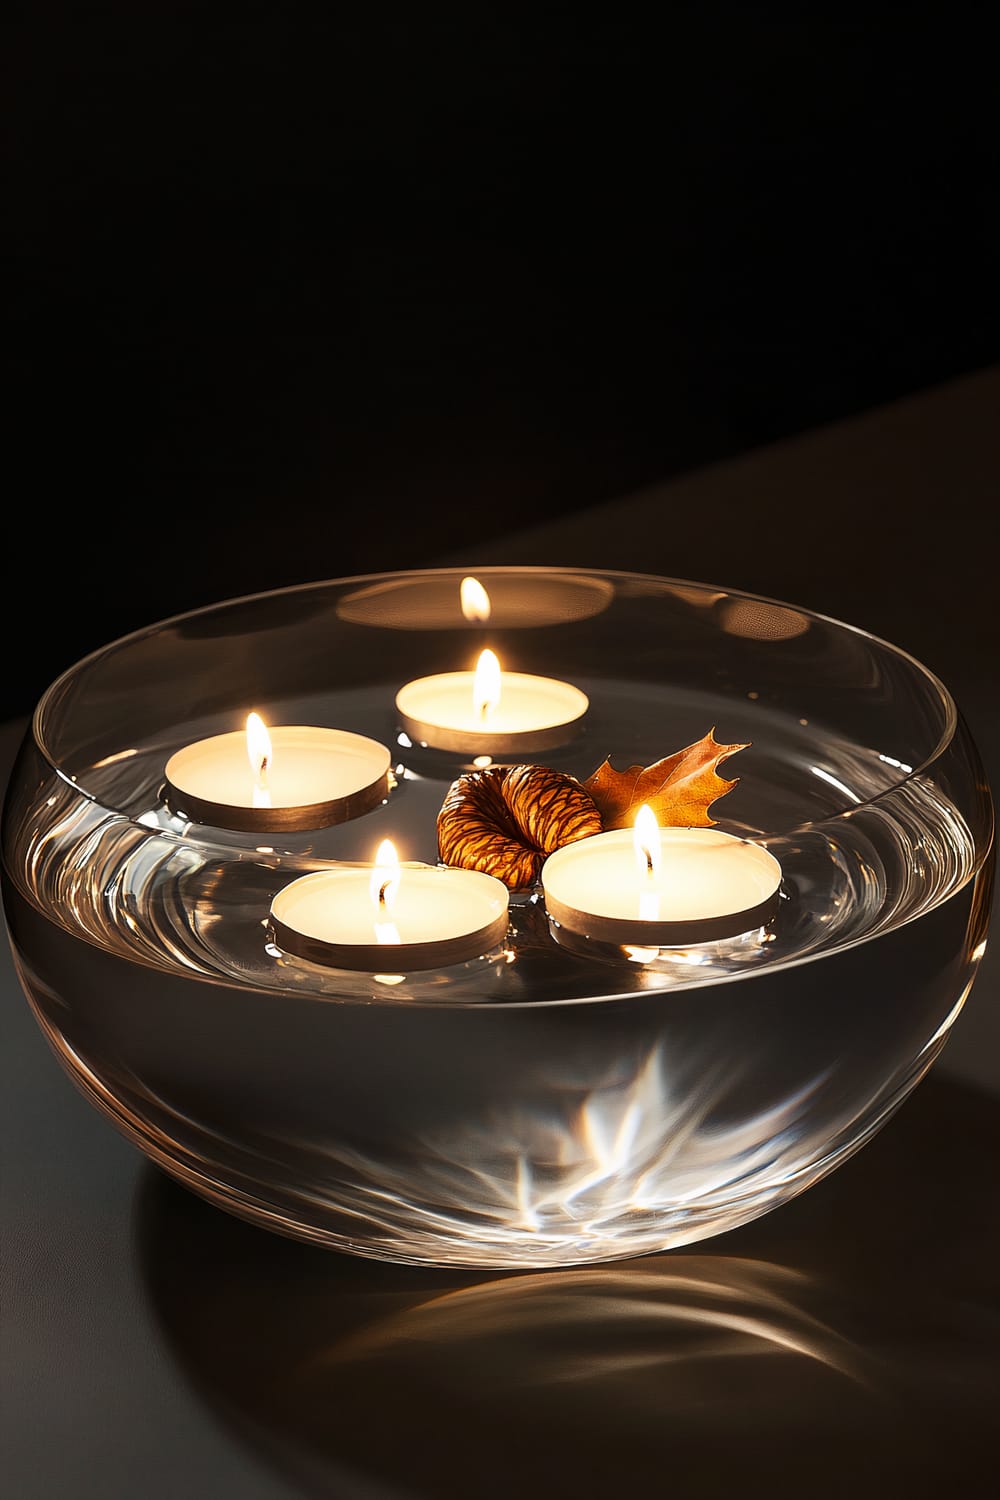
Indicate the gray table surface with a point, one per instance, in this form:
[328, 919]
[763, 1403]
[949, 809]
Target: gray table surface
[848, 1343]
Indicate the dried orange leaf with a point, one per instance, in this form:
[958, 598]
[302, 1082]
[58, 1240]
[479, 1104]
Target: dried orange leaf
[680, 788]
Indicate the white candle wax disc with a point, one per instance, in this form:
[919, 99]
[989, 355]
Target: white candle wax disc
[315, 777]
[534, 713]
[438, 916]
[708, 884]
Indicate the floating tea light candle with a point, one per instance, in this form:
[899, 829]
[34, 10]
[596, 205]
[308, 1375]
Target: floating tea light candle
[490, 711]
[388, 915]
[660, 887]
[293, 776]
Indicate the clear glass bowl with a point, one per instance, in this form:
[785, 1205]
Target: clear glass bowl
[551, 1101]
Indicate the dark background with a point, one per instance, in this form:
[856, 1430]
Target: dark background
[297, 293]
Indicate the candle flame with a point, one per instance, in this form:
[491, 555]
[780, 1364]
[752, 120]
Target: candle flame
[385, 878]
[646, 835]
[486, 684]
[475, 600]
[259, 754]
[384, 885]
[647, 841]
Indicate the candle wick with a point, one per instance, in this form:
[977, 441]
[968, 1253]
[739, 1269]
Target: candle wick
[649, 861]
[262, 772]
[382, 890]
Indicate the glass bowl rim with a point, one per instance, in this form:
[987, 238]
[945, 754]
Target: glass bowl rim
[950, 715]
